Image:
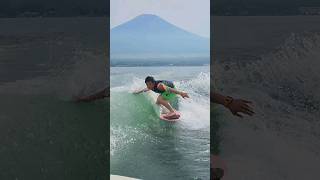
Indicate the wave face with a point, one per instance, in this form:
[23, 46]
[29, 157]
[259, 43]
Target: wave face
[142, 146]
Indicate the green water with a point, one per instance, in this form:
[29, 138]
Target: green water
[145, 147]
[44, 137]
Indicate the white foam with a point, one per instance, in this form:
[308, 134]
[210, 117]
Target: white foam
[283, 136]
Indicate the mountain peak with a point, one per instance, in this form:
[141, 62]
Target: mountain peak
[149, 33]
[148, 15]
[145, 23]
[148, 18]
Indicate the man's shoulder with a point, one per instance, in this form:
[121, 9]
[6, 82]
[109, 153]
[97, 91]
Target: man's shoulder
[161, 86]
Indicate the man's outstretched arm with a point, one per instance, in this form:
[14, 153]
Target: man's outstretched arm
[140, 91]
[236, 106]
[99, 95]
[172, 90]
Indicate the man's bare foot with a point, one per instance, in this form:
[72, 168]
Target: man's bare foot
[172, 115]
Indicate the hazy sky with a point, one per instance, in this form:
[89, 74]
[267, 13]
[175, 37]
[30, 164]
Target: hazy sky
[191, 15]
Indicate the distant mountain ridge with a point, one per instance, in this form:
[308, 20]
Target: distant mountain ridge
[56, 8]
[150, 34]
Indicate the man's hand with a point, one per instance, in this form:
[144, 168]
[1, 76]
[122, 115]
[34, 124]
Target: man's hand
[140, 91]
[136, 92]
[240, 106]
[184, 95]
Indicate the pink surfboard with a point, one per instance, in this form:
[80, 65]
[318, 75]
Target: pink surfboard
[173, 118]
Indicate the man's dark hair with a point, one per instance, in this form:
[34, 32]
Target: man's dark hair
[149, 79]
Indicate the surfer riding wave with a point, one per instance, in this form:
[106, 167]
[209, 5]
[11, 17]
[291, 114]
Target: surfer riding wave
[167, 93]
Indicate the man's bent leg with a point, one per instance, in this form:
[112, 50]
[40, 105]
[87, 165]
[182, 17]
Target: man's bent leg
[165, 103]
